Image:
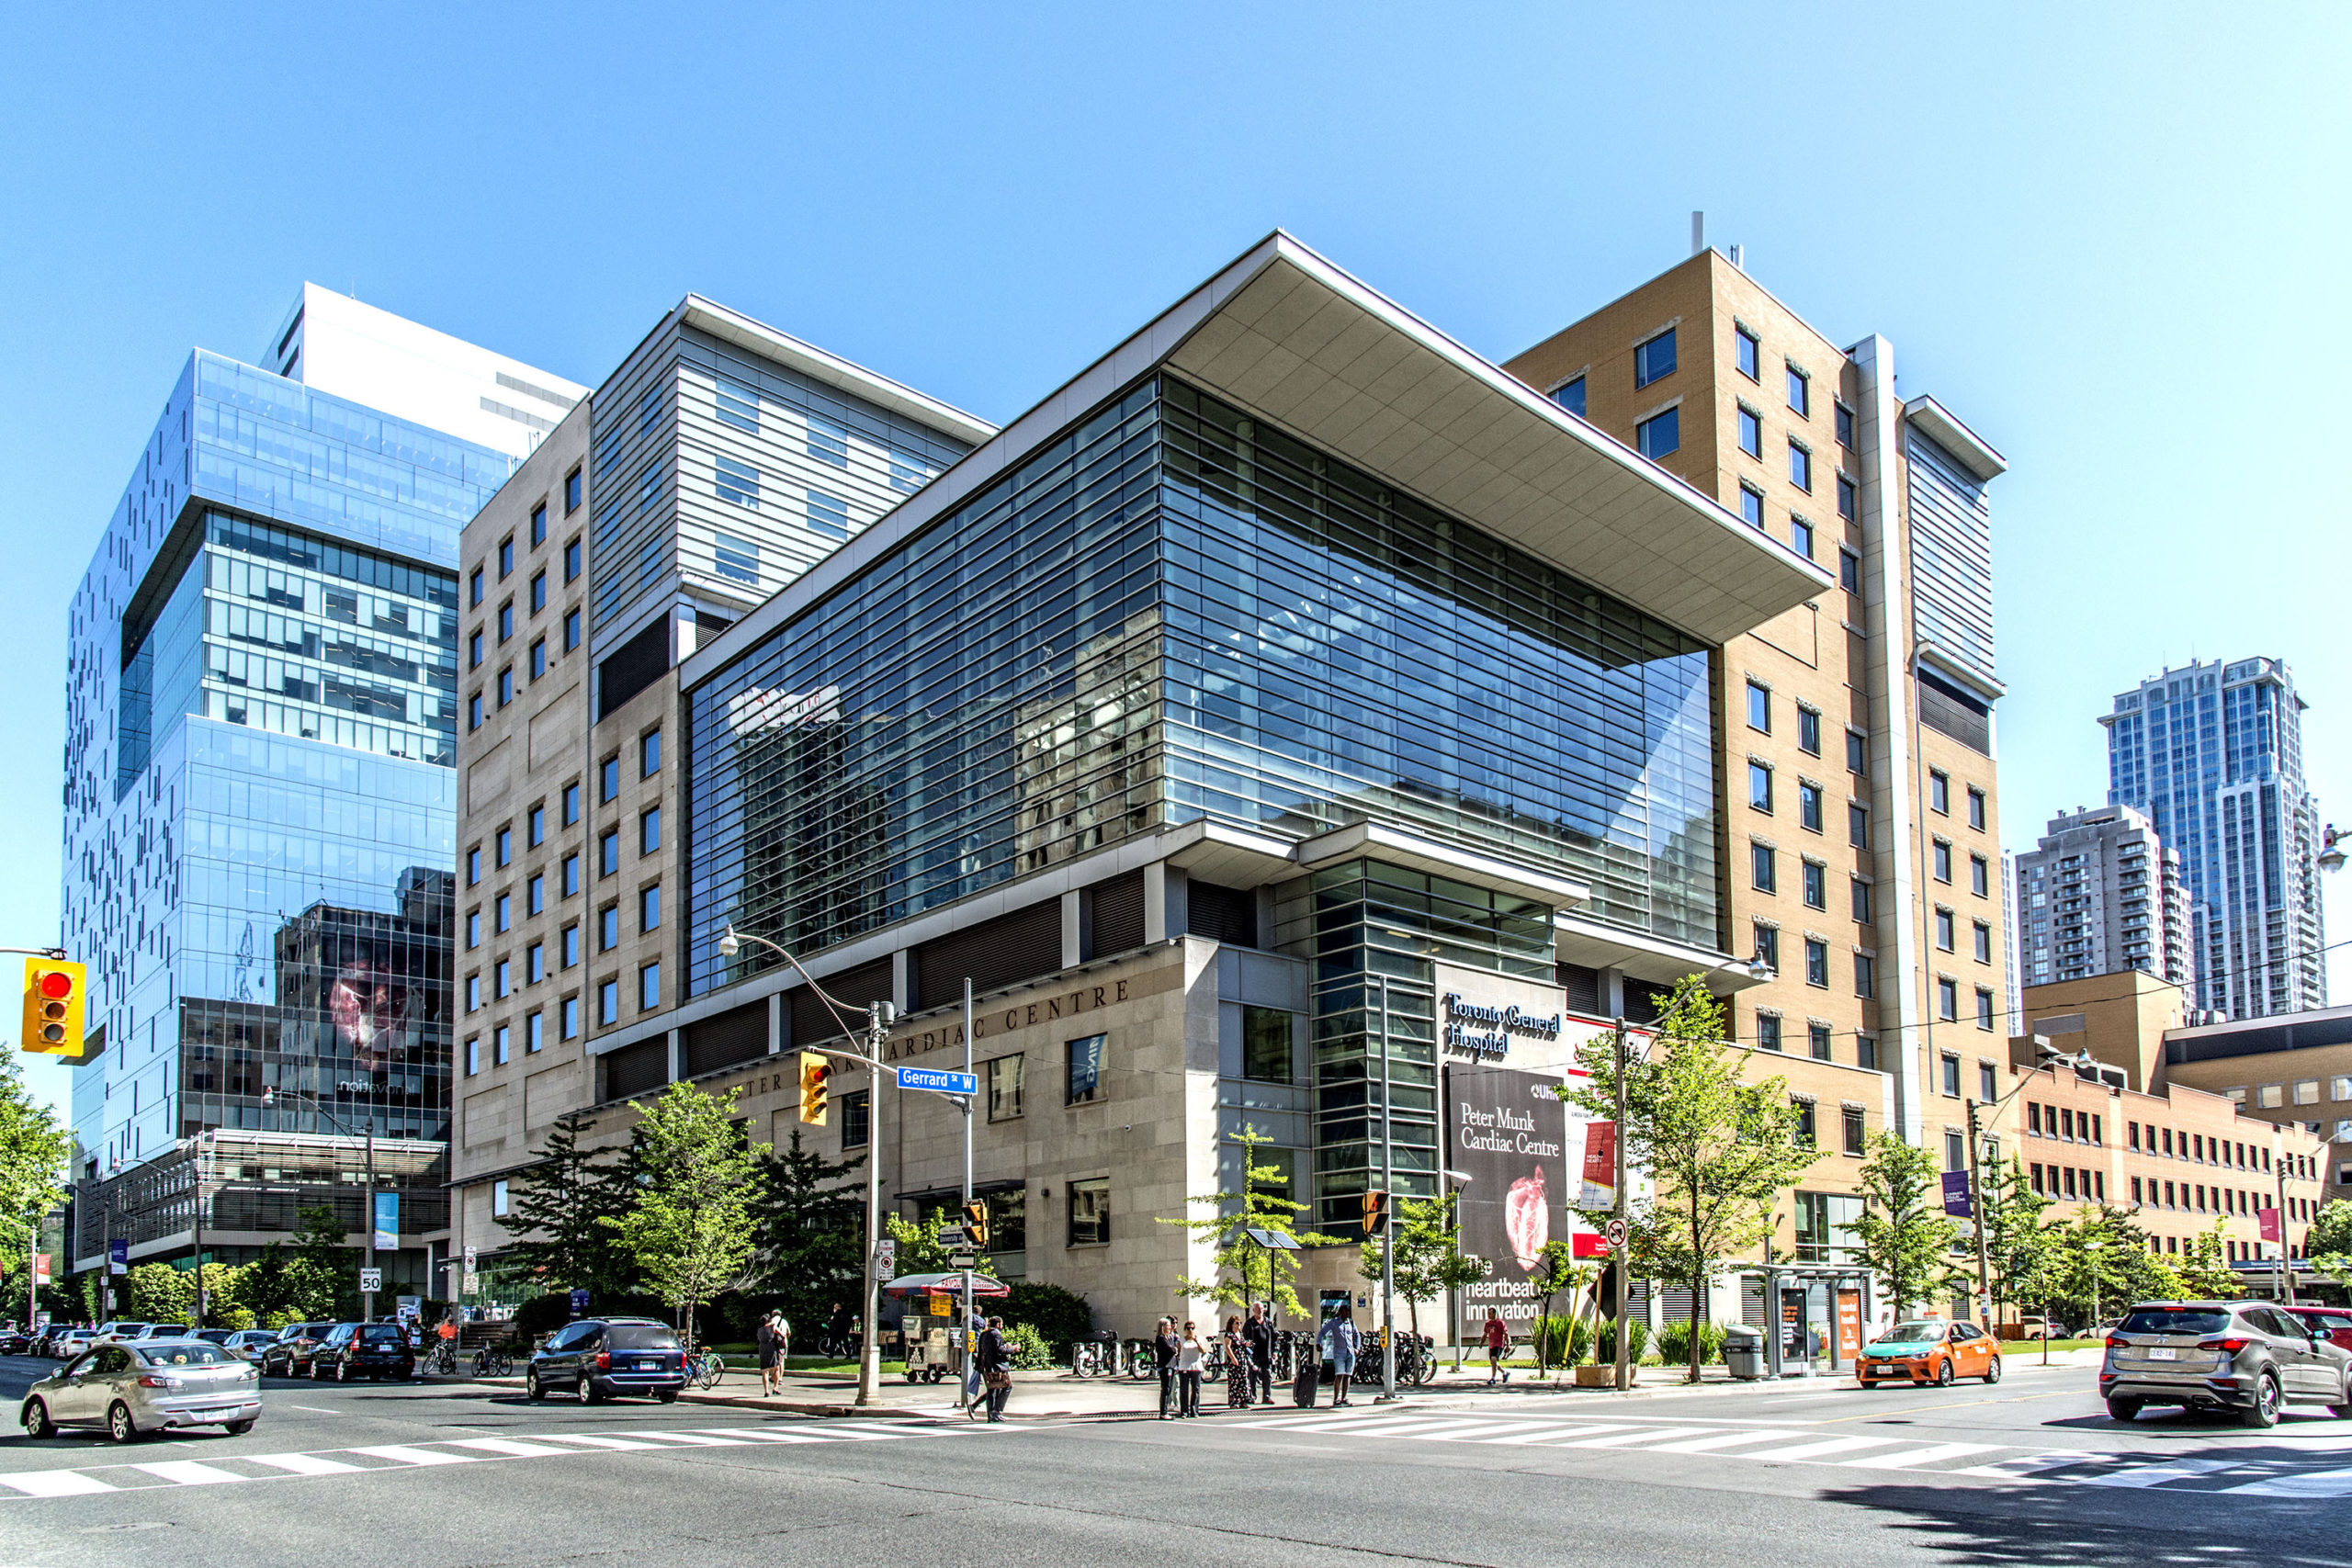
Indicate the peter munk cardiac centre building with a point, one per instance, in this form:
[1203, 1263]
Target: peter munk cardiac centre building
[1291, 710]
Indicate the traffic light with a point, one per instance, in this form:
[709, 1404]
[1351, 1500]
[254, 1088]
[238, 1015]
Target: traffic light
[976, 1221]
[53, 1007]
[816, 1071]
[1375, 1212]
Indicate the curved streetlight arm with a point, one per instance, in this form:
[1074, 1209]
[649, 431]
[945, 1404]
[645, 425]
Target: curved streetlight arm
[730, 940]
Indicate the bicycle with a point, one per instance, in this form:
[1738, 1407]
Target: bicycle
[703, 1369]
[1086, 1358]
[493, 1361]
[442, 1360]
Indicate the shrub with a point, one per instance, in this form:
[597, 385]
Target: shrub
[1674, 1344]
[1638, 1340]
[280, 1318]
[1060, 1317]
[1029, 1349]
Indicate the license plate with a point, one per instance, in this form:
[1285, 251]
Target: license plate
[2164, 1353]
[648, 1365]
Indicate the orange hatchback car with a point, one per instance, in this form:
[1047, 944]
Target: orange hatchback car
[1929, 1349]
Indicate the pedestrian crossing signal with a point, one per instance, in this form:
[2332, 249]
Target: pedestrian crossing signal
[816, 1071]
[53, 1007]
[976, 1223]
[1375, 1212]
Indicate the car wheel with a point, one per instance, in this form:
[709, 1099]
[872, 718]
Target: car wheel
[239, 1428]
[531, 1388]
[120, 1428]
[586, 1389]
[667, 1396]
[37, 1421]
[2264, 1410]
[1992, 1370]
[343, 1371]
[2123, 1409]
[1943, 1372]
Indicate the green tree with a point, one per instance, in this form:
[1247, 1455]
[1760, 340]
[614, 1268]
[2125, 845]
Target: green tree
[157, 1292]
[559, 1205]
[2329, 1242]
[2204, 1266]
[917, 1244]
[1428, 1254]
[1719, 1150]
[33, 1152]
[689, 1230]
[1902, 1234]
[2017, 1241]
[808, 1218]
[1242, 1272]
[2100, 1263]
[322, 1276]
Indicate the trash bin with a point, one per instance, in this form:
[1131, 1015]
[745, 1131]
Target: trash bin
[1743, 1351]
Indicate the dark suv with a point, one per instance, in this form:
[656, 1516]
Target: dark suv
[599, 1357]
[364, 1350]
[2248, 1356]
[288, 1356]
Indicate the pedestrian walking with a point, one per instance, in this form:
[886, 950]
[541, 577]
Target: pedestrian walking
[1339, 1341]
[1190, 1354]
[996, 1368]
[1237, 1376]
[1165, 1343]
[1498, 1347]
[975, 1384]
[838, 1326]
[1259, 1334]
[770, 1349]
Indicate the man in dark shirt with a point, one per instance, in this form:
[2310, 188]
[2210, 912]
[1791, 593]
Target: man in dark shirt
[1259, 1336]
[1164, 1346]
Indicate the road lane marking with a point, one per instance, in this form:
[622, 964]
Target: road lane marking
[302, 1464]
[596, 1441]
[2324, 1483]
[503, 1446]
[316, 1409]
[692, 1439]
[55, 1483]
[1646, 1435]
[1545, 1433]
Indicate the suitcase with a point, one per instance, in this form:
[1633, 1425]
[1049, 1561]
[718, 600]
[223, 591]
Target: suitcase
[1301, 1387]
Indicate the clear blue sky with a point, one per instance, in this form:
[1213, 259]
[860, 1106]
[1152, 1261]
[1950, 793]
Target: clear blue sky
[2109, 237]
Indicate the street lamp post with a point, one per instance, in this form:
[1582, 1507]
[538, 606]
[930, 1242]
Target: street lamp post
[879, 1015]
[367, 1210]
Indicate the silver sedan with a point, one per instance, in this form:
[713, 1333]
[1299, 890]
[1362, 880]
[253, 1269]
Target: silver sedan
[154, 1384]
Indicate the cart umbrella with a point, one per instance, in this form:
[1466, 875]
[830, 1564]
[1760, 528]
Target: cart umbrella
[944, 1284]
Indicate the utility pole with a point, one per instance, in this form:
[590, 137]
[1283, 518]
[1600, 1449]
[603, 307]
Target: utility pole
[1976, 1212]
[1617, 1253]
[878, 1016]
[2286, 1271]
[196, 1167]
[964, 1324]
[1388, 1221]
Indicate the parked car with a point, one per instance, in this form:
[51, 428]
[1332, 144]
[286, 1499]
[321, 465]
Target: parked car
[131, 1389]
[251, 1342]
[2247, 1356]
[15, 1342]
[598, 1359]
[117, 1328]
[65, 1344]
[374, 1350]
[2335, 1323]
[288, 1356]
[2039, 1328]
[1929, 1349]
[159, 1331]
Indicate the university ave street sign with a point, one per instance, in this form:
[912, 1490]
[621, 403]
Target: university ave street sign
[953, 1236]
[939, 1081]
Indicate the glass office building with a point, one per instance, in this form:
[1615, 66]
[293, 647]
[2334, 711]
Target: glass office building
[260, 813]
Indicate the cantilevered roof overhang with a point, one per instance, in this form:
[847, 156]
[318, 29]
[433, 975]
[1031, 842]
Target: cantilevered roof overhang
[1296, 342]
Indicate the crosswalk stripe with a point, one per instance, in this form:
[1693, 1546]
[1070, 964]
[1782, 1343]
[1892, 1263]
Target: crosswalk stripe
[2157, 1475]
[507, 1446]
[1912, 1459]
[596, 1441]
[1719, 1440]
[767, 1435]
[2033, 1464]
[1640, 1435]
[188, 1472]
[1816, 1450]
[1476, 1432]
[302, 1464]
[2322, 1483]
[402, 1454]
[54, 1483]
[692, 1439]
[1545, 1434]
[878, 1432]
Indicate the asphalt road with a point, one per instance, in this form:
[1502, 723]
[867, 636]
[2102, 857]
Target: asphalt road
[2028, 1472]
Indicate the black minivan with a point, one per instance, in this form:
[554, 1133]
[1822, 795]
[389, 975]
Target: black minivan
[363, 1350]
[598, 1359]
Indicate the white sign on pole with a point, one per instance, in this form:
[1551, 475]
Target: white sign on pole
[885, 1258]
[371, 1279]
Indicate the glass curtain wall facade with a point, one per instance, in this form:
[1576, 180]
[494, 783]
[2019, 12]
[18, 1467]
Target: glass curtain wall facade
[1166, 616]
[260, 822]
